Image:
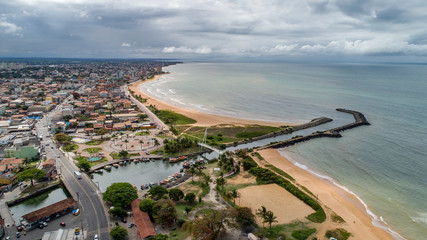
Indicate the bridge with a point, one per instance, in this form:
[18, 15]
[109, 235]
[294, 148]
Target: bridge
[210, 147]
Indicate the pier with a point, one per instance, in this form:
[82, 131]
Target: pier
[359, 120]
[210, 147]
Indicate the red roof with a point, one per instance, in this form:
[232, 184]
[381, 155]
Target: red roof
[49, 162]
[142, 221]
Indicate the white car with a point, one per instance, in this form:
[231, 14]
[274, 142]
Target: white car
[96, 237]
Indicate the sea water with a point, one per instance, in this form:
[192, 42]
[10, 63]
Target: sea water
[384, 164]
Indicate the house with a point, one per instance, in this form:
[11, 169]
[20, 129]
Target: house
[49, 168]
[7, 178]
[144, 227]
[119, 126]
[12, 162]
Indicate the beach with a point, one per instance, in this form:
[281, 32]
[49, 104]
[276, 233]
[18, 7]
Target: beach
[341, 202]
[203, 119]
[346, 205]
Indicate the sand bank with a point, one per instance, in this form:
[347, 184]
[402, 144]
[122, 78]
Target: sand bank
[203, 119]
[341, 202]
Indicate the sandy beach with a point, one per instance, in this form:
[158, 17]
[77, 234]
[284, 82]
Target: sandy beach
[203, 119]
[341, 202]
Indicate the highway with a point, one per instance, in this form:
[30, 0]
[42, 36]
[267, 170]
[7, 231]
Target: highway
[83, 190]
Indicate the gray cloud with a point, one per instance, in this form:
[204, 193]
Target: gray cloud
[212, 28]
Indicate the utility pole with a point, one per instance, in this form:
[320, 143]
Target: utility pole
[83, 233]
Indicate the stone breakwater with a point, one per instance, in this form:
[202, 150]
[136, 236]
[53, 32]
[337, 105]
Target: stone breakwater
[359, 118]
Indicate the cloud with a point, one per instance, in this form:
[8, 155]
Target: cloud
[202, 29]
[199, 50]
[9, 28]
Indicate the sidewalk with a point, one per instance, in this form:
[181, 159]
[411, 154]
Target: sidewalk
[4, 210]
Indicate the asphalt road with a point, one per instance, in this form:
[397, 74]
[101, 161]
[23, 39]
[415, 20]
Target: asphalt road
[84, 190]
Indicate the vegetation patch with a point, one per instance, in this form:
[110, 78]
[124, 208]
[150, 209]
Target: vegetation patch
[336, 218]
[280, 172]
[170, 117]
[94, 142]
[303, 234]
[93, 150]
[118, 156]
[70, 147]
[142, 133]
[339, 234]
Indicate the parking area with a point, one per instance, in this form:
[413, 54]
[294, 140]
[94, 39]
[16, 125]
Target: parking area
[70, 220]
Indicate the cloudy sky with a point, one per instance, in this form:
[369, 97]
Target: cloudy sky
[203, 29]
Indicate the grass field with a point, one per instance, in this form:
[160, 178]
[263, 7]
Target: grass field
[221, 134]
[175, 118]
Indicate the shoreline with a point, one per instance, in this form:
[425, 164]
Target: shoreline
[359, 219]
[203, 119]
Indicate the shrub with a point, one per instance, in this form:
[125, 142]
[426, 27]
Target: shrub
[303, 234]
[339, 233]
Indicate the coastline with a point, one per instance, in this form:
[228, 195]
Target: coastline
[203, 119]
[347, 205]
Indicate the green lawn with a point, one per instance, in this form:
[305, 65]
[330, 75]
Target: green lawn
[93, 150]
[94, 142]
[172, 117]
[221, 134]
[116, 155]
[70, 147]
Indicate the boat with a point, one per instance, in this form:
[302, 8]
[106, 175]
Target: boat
[136, 160]
[171, 160]
[115, 165]
[108, 167]
[121, 163]
[182, 158]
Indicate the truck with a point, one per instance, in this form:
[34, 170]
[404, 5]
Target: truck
[77, 174]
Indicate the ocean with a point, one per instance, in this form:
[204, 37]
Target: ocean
[384, 164]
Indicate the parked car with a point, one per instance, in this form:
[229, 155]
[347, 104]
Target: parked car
[19, 228]
[95, 237]
[124, 220]
[44, 224]
[62, 224]
[130, 225]
[18, 234]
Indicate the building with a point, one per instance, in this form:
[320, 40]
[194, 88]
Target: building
[142, 221]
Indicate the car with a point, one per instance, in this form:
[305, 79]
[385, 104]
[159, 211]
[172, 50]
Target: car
[124, 220]
[41, 226]
[62, 224]
[95, 237]
[19, 228]
[44, 224]
[130, 225]
[18, 234]
[7, 238]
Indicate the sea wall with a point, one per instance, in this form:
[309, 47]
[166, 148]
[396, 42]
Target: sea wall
[313, 123]
[359, 120]
[35, 193]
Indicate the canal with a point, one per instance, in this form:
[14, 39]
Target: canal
[137, 173]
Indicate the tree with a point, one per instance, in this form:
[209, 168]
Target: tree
[31, 174]
[67, 117]
[61, 138]
[123, 153]
[261, 212]
[187, 209]
[118, 233]
[211, 224]
[244, 216]
[147, 205]
[101, 132]
[142, 116]
[269, 218]
[157, 192]
[126, 141]
[84, 164]
[118, 212]
[141, 142]
[165, 212]
[192, 171]
[159, 236]
[176, 194]
[190, 198]
[234, 194]
[120, 194]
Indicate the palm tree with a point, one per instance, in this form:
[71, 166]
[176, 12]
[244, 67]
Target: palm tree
[269, 218]
[141, 142]
[234, 194]
[261, 212]
[192, 171]
[207, 179]
[126, 141]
